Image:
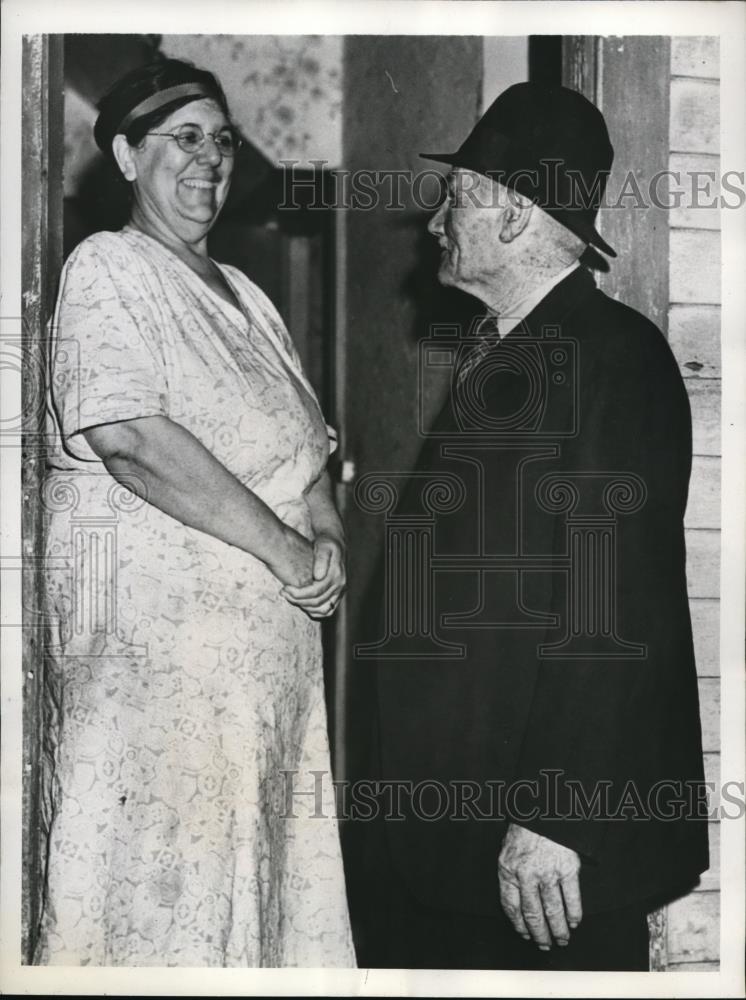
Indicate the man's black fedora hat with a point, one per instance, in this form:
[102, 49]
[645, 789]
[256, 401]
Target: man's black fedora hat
[548, 143]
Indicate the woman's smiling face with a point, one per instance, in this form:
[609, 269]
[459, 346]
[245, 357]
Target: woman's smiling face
[183, 191]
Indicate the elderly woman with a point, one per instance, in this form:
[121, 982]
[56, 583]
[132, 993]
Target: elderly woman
[193, 544]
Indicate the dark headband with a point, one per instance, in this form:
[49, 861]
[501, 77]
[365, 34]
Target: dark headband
[162, 98]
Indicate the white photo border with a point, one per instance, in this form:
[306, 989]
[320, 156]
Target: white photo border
[449, 17]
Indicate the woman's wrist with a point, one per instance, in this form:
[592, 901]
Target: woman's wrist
[291, 558]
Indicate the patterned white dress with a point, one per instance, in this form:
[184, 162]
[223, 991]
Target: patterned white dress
[185, 696]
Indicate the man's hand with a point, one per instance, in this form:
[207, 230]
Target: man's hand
[539, 887]
[320, 598]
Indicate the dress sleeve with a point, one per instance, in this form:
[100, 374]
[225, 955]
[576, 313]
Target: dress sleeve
[107, 363]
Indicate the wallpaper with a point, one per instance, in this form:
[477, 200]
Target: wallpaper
[285, 91]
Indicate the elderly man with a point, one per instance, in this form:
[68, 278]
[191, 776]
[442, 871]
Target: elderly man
[553, 705]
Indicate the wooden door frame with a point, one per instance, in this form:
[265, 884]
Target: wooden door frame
[620, 74]
[41, 197]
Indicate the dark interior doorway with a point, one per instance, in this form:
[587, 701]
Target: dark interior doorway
[545, 58]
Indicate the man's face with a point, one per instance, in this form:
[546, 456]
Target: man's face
[467, 227]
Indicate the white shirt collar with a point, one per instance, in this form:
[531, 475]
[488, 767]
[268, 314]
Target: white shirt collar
[521, 310]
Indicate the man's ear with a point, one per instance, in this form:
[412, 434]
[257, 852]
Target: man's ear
[123, 155]
[515, 218]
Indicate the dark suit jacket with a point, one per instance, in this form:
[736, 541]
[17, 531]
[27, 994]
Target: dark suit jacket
[503, 712]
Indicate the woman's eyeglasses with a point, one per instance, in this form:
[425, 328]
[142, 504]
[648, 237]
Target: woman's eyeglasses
[191, 138]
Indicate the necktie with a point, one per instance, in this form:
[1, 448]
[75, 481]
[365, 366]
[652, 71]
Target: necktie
[486, 336]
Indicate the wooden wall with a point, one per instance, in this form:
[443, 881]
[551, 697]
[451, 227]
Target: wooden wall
[693, 926]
